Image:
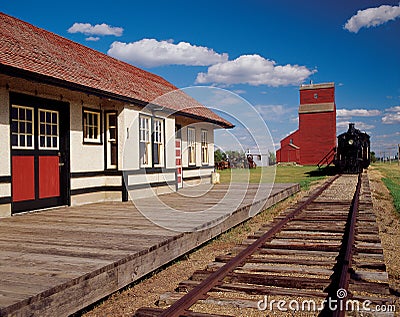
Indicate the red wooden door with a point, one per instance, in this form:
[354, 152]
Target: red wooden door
[38, 153]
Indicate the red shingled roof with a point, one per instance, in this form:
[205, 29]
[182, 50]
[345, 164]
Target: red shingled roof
[37, 51]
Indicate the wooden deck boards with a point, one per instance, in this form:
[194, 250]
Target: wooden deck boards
[56, 262]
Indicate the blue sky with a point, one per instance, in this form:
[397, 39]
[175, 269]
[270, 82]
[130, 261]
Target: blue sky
[261, 50]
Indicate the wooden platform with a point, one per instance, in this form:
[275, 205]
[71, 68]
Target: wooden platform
[56, 262]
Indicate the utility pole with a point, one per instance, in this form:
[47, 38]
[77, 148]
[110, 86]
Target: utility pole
[398, 154]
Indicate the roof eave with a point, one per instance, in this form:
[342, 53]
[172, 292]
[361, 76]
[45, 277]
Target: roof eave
[33, 76]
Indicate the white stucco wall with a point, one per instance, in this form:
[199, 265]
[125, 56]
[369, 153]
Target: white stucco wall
[198, 127]
[170, 142]
[5, 157]
[84, 157]
[129, 139]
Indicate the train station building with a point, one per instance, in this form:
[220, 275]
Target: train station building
[66, 113]
[315, 140]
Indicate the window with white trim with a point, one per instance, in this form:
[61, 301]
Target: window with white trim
[158, 142]
[192, 146]
[91, 126]
[22, 135]
[204, 147]
[48, 129]
[145, 141]
[111, 139]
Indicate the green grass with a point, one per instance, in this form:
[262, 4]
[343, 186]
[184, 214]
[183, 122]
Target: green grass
[391, 179]
[304, 175]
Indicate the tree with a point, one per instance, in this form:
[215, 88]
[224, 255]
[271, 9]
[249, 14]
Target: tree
[373, 157]
[271, 158]
[219, 156]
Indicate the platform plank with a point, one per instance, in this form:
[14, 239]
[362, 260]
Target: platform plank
[56, 262]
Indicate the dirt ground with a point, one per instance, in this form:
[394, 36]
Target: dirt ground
[147, 292]
[389, 231]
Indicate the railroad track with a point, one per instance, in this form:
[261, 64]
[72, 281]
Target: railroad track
[322, 256]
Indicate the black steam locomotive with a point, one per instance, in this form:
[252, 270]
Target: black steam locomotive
[353, 151]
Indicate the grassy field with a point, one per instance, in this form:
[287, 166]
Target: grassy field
[304, 175]
[391, 179]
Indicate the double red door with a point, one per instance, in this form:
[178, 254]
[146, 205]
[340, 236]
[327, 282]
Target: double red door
[39, 151]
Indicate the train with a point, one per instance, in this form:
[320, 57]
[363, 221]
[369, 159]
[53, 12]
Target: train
[353, 151]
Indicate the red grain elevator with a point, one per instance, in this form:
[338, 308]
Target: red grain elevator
[315, 139]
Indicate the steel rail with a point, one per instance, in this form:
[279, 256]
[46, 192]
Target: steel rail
[344, 279]
[182, 305]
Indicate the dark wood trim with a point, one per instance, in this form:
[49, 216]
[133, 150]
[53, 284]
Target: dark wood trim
[196, 177]
[149, 170]
[29, 205]
[111, 172]
[178, 131]
[148, 185]
[125, 194]
[95, 189]
[5, 179]
[5, 200]
[188, 168]
[93, 143]
[141, 171]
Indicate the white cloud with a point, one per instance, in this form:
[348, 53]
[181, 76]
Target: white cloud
[344, 125]
[272, 112]
[392, 115]
[92, 38]
[385, 136]
[98, 29]
[152, 53]
[254, 70]
[347, 113]
[372, 17]
[391, 118]
[393, 109]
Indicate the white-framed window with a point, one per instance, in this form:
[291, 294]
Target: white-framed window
[111, 139]
[158, 139]
[22, 133]
[48, 129]
[192, 146]
[145, 141]
[204, 146]
[91, 126]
